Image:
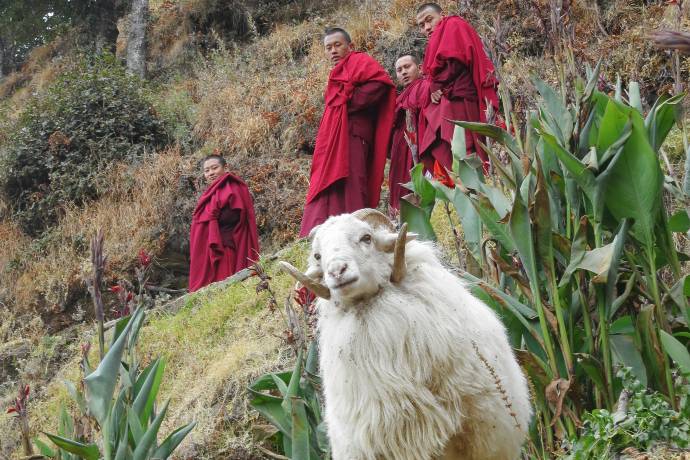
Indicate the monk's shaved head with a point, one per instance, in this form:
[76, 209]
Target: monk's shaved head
[337, 30]
[337, 44]
[429, 15]
[407, 69]
[434, 6]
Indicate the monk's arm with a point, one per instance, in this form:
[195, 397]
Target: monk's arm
[366, 95]
[449, 72]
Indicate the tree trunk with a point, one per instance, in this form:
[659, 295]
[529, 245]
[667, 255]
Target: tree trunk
[136, 40]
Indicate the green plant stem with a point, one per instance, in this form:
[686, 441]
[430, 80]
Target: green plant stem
[545, 331]
[604, 345]
[563, 331]
[661, 323]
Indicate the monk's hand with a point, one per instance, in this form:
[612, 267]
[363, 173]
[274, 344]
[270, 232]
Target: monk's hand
[436, 96]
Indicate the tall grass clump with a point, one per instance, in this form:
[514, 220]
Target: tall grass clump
[571, 243]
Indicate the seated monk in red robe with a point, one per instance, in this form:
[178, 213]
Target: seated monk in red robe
[223, 239]
[352, 142]
[408, 127]
[462, 84]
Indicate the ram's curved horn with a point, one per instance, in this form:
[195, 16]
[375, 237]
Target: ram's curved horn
[398, 272]
[374, 218]
[314, 286]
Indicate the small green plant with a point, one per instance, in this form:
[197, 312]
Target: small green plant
[291, 401]
[19, 409]
[66, 138]
[119, 395]
[643, 419]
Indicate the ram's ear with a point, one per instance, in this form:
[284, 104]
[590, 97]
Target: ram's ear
[385, 242]
[312, 232]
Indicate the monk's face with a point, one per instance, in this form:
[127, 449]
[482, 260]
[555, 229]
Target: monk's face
[407, 70]
[337, 47]
[213, 169]
[427, 20]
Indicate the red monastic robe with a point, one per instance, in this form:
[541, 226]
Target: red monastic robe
[223, 239]
[410, 101]
[456, 63]
[352, 142]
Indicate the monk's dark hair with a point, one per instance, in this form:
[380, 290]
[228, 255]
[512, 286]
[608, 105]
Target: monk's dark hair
[414, 56]
[434, 6]
[337, 30]
[214, 156]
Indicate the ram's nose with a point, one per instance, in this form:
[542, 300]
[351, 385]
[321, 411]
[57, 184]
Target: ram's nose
[337, 269]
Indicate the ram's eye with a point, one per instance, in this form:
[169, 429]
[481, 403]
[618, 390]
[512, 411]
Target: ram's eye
[365, 239]
[317, 256]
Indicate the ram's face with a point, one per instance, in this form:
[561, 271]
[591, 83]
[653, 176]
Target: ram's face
[352, 258]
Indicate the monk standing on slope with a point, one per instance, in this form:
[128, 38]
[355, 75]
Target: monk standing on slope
[351, 145]
[462, 83]
[223, 239]
[409, 125]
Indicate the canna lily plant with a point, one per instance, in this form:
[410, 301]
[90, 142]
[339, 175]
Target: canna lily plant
[575, 246]
[118, 396]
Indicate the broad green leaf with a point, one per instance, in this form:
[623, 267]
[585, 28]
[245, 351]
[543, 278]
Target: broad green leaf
[280, 385]
[650, 346]
[593, 369]
[119, 327]
[578, 171]
[148, 440]
[417, 219]
[492, 220]
[634, 99]
[614, 264]
[521, 232]
[623, 325]
[471, 223]
[77, 396]
[293, 386]
[556, 115]
[135, 427]
[100, 384]
[638, 199]
[43, 448]
[123, 451]
[679, 222]
[676, 350]
[541, 216]
[300, 430]
[312, 364]
[495, 133]
[146, 396]
[626, 353]
[172, 441]
[661, 118]
[421, 186]
[458, 146]
[271, 408]
[86, 451]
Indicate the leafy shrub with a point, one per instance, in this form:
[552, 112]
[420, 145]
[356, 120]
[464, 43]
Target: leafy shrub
[66, 138]
[647, 419]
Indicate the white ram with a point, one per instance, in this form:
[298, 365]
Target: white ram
[413, 366]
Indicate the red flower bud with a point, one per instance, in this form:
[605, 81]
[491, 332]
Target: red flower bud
[441, 175]
[115, 289]
[11, 410]
[144, 258]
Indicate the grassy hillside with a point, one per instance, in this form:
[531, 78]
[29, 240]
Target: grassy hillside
[246, 80]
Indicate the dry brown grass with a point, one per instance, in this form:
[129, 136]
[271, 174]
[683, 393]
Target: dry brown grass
[132, 212]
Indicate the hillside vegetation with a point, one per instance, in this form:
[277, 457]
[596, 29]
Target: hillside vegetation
[244, 79]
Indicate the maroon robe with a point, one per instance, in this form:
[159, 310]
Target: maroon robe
[223, 239]
[409, 103]
[351, 145]
[456, 63]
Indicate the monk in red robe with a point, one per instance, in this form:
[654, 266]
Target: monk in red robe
[352, 141]
[408, 128]
[462, 83]
[223, 238]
